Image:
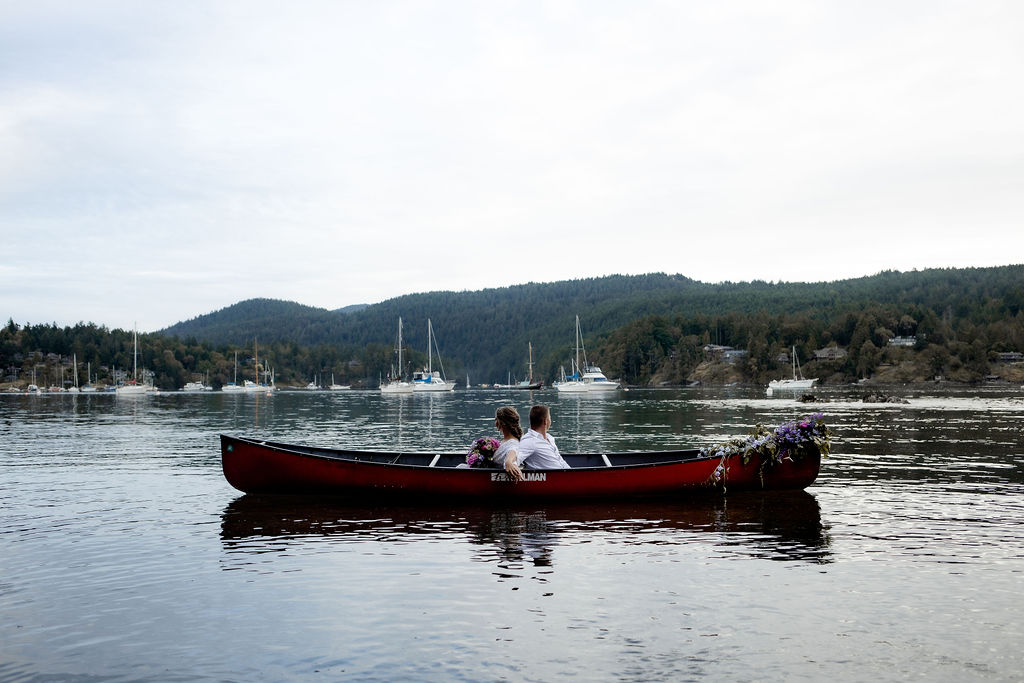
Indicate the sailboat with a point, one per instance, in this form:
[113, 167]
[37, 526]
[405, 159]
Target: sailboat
[232, 387]
[249, 385]
[88, 387]
[591, 379]
[74, 363]
[133, 388]
[798, 381]
[527, 383]
[430, 379]
[395, 384]
[338, 387]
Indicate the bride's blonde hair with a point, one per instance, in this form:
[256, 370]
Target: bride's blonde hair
[509, 419]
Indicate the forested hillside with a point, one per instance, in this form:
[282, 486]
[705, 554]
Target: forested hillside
[642, 329]
[485, 333]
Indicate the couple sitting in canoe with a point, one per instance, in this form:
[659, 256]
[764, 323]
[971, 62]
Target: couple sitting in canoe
[536, 450]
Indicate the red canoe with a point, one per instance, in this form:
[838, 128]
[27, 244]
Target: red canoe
[256, 466]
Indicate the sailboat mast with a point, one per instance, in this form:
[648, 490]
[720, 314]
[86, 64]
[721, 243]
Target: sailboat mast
[577, 344]
[430, 336]
[400, 347]
[530, 365]
[135, 353]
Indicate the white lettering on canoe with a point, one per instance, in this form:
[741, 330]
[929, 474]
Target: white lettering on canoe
[527, 476]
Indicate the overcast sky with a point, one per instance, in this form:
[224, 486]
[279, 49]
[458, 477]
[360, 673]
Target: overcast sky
[159, 161]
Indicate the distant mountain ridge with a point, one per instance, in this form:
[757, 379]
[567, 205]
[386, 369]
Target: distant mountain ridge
[486, 332]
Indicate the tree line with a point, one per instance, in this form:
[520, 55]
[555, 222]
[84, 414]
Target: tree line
[642, 329]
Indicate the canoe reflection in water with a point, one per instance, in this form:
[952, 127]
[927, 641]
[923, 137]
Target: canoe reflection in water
[783, 526]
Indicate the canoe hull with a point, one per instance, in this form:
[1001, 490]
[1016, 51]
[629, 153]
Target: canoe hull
[261, 467]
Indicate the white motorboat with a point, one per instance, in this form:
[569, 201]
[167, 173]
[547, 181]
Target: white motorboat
[591, 379]
[596, 381]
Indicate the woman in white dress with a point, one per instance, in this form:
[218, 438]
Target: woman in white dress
[506, 419]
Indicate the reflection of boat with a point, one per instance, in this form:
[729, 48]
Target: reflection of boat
[430, 379]
[395, 383]
[256, 466]
[784, 525]
[586, 378]
[798, 381]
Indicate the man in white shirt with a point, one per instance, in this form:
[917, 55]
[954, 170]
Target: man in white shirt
[537, 449]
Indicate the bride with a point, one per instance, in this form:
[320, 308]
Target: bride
[506, 419]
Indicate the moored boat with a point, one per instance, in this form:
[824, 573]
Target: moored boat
[233, 387]
[337, 387]
[596, 380]
[258, 466]
[590, 379]
[250, 386]
[133, 387]
[430, 379]
[529, 383]
[396, 383]
[797, 383]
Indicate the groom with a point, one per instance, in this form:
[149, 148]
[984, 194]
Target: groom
[537, 449]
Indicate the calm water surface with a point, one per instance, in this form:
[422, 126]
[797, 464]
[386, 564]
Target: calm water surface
[125, 556]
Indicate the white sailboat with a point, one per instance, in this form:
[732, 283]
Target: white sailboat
[337, 387]
[395, 384]
[249, 385]
[133, 388]
[591, 379]
[88, 387]
[74, 363]
[798, 381]
[233, 387]
[430, 379]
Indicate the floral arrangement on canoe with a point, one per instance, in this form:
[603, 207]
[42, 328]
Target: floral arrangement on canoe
[481, 453]
[791, 441]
